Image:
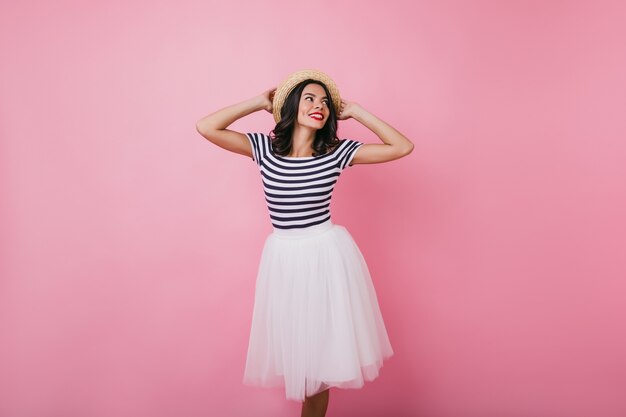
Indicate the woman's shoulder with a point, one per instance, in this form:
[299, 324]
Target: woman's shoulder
[344, 143]
[333, 146]
[259, 136]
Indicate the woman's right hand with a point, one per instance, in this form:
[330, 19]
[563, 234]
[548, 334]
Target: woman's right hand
[268, 98]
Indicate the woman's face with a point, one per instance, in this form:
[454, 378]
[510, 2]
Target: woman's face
[313, 109]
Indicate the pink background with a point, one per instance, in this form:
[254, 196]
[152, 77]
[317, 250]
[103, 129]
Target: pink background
[130, 244]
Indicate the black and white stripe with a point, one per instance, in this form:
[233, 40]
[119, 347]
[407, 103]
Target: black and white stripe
[298, 190]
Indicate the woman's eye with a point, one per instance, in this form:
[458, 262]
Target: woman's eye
[323, 101]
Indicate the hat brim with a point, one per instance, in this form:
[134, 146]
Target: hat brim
[283, 90]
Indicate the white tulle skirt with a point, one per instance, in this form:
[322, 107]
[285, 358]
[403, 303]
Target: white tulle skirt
[316, 322]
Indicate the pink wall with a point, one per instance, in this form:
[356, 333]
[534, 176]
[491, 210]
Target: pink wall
[130, 244]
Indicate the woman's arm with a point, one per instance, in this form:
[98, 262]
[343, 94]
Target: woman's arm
[213, 127]
[395, 146]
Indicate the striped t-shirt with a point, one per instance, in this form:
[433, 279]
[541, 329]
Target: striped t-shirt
[298, 189]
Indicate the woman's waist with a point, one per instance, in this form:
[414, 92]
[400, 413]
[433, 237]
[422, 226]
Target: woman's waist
[296, 231]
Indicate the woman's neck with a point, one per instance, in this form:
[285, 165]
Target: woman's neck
[302, 141]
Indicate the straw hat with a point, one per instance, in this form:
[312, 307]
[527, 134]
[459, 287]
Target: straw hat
[283, 90]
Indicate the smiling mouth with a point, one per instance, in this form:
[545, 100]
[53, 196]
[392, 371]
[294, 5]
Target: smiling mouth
[316, 116]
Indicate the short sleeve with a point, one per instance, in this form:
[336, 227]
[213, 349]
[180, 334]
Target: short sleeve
[258, 144]
[348, 151]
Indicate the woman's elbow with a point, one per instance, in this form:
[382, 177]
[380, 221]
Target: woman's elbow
[204, 127]
[408, 149]
[205, 131]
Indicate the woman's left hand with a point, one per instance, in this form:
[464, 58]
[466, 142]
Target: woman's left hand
[347, 109]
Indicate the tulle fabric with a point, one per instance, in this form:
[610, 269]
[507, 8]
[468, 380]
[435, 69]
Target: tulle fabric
[316, 321]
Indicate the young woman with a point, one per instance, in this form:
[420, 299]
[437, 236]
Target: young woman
[316, 322]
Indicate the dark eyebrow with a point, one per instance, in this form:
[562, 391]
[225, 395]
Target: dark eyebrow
[311, 94]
